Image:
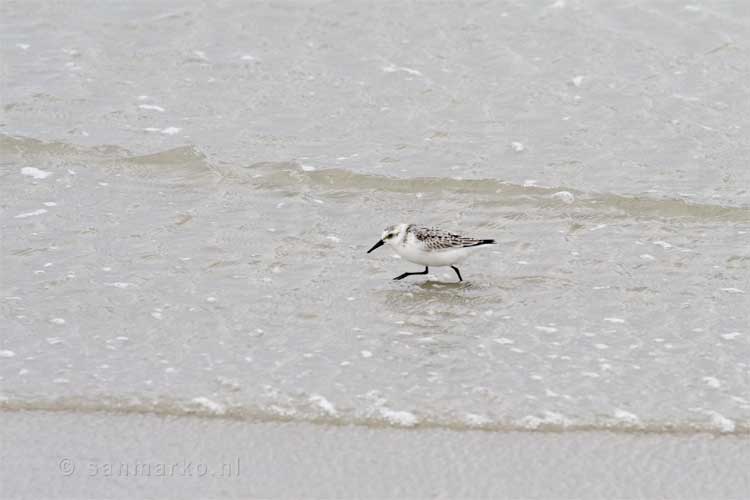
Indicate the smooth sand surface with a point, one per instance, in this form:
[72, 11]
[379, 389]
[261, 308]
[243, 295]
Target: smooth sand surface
[67, 455]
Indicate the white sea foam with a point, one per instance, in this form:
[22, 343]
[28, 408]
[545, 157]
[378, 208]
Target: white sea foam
[721, 422]
[119, 284]
[546, 329]
[626, 416]
[730, 335]
[210, 405]
[323, 404]
[614, 320]
[550, 417]
[392, 68]
[167, 130]
[564, 196]
[474, 420]
[712, 382]
[35, 172]
[285, 412]
[31, 214]
[402, 418]
[5, 353]
[151, 107]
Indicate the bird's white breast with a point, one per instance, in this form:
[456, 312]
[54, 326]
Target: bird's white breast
[418, 255]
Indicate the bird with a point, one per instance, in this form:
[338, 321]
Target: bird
[428, 246]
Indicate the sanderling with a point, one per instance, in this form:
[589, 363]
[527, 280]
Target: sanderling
[428, 246]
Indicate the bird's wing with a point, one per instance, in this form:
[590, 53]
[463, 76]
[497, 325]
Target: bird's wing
[437, 239]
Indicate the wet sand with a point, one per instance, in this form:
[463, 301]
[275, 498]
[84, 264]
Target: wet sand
[69, 455]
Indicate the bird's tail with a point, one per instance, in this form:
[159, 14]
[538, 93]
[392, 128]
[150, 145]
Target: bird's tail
[483, 242]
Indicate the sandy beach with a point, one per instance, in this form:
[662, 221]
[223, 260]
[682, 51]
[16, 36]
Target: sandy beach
[66, 455]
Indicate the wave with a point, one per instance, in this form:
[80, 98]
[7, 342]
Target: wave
[186, 165]
[320, 412]
[28, 146]
[488, 192]
[180, 166]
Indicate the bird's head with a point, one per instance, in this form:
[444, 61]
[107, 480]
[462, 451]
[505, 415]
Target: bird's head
[391, 235]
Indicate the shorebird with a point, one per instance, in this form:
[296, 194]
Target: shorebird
[428, 246]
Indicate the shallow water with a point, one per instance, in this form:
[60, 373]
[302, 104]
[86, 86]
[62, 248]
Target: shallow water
[184, 230]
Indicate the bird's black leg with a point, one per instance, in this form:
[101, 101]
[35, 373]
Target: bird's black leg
[457, 272]
[402, 276]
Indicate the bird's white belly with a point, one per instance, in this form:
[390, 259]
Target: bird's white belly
[434, 258]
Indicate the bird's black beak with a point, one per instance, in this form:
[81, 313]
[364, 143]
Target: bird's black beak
[376, 245]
